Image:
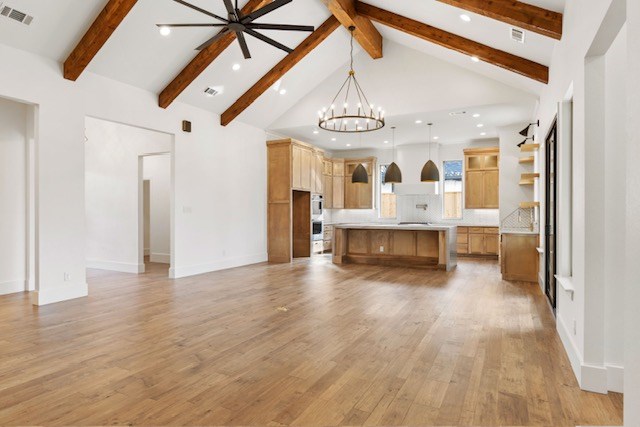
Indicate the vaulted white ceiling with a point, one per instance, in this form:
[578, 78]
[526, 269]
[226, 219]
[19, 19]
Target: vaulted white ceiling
[138, 55]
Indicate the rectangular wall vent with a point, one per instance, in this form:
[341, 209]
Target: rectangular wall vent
[517, 35]
[16, 15]
[211, 91]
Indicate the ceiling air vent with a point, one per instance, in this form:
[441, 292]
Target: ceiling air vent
[211, 91]
[16, 15]
[517, 35]
[457, 113]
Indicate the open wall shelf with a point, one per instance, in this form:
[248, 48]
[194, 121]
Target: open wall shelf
[527, 160]
[528, 148]
[527, 205]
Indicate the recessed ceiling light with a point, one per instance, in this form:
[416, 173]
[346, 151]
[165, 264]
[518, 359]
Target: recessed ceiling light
[480, 125]
[386, 142]
[418, 122]
[235, 67]
[283, 91]
[483, 134]
[315, 132]
[333, 139]
[348, 145]
[465, 18]
[476, 115]
[436, 137]
[165, 31]
[475, 59]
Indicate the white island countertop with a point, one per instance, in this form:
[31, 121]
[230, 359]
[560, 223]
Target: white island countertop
[387, 226]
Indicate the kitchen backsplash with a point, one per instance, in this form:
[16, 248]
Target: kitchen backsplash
[407, 212]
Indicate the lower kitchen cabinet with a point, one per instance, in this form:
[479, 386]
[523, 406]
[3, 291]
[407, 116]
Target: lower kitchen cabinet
[520, 258]
[478, 241]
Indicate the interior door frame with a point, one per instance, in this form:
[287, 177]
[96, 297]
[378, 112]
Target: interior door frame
[550, 285]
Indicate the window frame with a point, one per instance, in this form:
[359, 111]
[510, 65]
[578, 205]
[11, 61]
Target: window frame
[443, 181]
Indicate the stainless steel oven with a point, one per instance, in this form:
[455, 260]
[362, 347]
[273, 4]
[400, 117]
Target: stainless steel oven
[316, 230]
[316, 205]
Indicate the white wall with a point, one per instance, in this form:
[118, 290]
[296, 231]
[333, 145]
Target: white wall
[615, 204]
[13, 198]
[511, 192]
[584, 342]
[216, 226]
[157, 169]
[112, 155]
[632, 252]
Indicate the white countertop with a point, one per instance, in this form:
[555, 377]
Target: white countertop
[386, 226]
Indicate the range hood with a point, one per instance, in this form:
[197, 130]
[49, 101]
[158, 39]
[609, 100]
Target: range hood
[416, 189]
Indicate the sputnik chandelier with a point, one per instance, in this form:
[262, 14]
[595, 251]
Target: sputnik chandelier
[355, 114]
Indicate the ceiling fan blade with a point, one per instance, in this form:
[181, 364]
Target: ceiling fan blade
[213, 15]
[212, 40]
[190, 25]
[243, 45]
[282, 27]
[267, 40]
[230, 10]
[264, 10]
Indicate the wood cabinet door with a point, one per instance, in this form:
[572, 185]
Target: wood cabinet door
[328, 192]
[474, 187]
[476, 244]
[350, 193]
[338, 168]
[491, 244]
[365, 194]
[305, 169]
[296, 154]
[491, 189]
[319, 167]
[338, 192]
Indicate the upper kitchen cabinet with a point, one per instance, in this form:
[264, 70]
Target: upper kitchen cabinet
[307, 167]
[482, 180]
[358, 195]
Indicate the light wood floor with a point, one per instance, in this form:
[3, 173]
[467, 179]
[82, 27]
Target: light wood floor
[358, 345]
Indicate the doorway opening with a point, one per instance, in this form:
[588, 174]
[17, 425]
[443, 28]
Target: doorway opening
[119, 159]
[17, 197]
[155, 177]
[551, 214]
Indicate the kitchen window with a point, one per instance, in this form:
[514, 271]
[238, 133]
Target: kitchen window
[452, 198]
[387, 198]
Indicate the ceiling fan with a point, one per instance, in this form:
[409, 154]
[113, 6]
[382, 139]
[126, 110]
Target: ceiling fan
[240, 24]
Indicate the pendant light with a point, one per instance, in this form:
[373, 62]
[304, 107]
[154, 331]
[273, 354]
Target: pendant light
[354, 113]
[393, 175]
[430, 171]
[360, 175]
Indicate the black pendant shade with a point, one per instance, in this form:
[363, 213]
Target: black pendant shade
[360, 175]
[393, 174]
[430, 172]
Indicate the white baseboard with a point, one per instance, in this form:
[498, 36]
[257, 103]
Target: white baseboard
[594, 378]
[223, 264]
[615, 378]
[59, 293]
[12, 287]
[161, 258]
[122, 267]
[575, 356]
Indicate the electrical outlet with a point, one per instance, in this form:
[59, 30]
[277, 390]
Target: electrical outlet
[67, 277]
[381, 248]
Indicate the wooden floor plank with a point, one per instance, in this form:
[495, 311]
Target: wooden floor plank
[359, 345]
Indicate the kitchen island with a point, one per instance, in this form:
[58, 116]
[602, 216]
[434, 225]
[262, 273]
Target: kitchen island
[416, 245]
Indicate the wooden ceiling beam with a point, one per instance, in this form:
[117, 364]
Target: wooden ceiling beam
[96, 36]
[286, 64]
[516, 13]
[203, 60]
[365, 32]
[502, 59]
